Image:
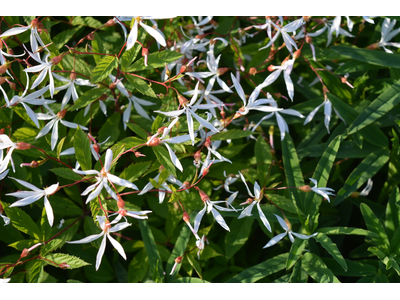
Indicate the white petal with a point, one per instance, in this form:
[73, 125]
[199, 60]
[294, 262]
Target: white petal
[239, 89]
[132, 36]
[87, 239]
[101, 252]
[198, 218]
[127, 114]
[54, 135]
[203, 122]
[107, 160]
[49, 211]
[121, 182]
[31, 114]
[312, 114]
[274, 240]
[155, 34]
[282, 223]
[27, 200]
[219, 219]
[117, 246]
[244, 181]
[174, 158]
[15, 31]
[120, 226]
[257, 190]
[263, 217]
[95, 193]
[247, 211]
[27, 184]
[303, 236]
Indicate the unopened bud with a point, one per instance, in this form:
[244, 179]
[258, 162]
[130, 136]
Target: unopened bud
[305, 188]
[253, 71]
[90, 36]
[161, 129]
[2, 130]
[96, 148]
[183, 69]
[161, 168]
[12, 85]
[4, 68]
[271, 68]
[24, 253]
[223, 113]
[64, 266]
[145, 53]
[308, 39]
[2, 80]
[186, 184]
[178, 260]
[112, 86]
[167, 71]
[23, 146]
[202, 36]
[138, 154]
[240, 61]
[120, 203]
[33, 164]
[57, 59]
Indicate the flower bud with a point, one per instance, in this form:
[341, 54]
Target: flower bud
[253, 71]
[207, 143]
[308, 39]
[167, 71]
[138, 154]
[202, 36]
[36, 24]
[197, 155]
[161, 129]
[120, 203]
[90, 36]
[64, 266]
[305, 188]
[145, 53]
[112, 86]
[186, 184]
[186, 217]
[12, 85]
[178, 260]
[2, 80]
[161, 168]
[4, 68]
[57, 59]
[23, 146]
[2, 130]
[33, 164]
[223, 113]
[24, 253]
[96, 147]
[271, 68]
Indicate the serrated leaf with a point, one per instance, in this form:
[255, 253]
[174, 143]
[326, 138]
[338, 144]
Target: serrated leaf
[379, 107]
[66, 173]
[22, 221]
[82, 149]
[231, 134]
[155, 60]
[104, 68]
[264, 158]
[86, 21]
[316, 268]
[240, 232]
[73, 261]
[366, 169]
[141, 86]
[87, 98]
[380, 58]
[164, 159]
[25, 134]
[21, 245]
[295, 252]
[64, 36]
[292, 170]
[332, 249]
[261, 270]
[129, 56]
[151, 249]
[51, 246]
[35, 272]
[138, 130]
[374, 225]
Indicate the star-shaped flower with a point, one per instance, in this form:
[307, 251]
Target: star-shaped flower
[288, 231]
[102, 179]
[324, 191]
[387, 34]
[106, 228]
[29, 197]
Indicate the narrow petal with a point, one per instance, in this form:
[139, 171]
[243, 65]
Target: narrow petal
[120, 226]
[117, 246]
[54, 135]
[155, 34]
[263, 217]
[244, 181]
[239, 89]
[247, 211]
[127, 114]
[219, 219]
[107, 160]
[282, 223]
[132, 37]
[198, 218]
[203, 122]
[174, 158]
[121, 182]
[303, 236]
[95, 193]
[15, 31]
[31, 114]
[49, 211]
[190, 125]
[87, 239]
[101, 252]
[27, 201]
[27, 184]
[257, 190]
[274, 240]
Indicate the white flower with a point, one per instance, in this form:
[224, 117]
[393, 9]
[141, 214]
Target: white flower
[367, 189]
[102, 179]
[3, 59]
[283, 224]
[122, 213]
[71, 151]
[5, 280]
[324, 192]
[209, 206]
[132, 99]
[257, 197]
[200, 244]
[210, 98]
[283, 127]
[190, 108]
[5, 142]
[29, 197]
[252, 103]
[163, 187]
[55, 119]
[387, 34]
[150, 30]
[70, 86]
[30, 99]
[214, 71]
[228, 181]
[327, 111]
[106, 230]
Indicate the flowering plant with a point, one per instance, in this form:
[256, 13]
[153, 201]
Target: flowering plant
[141, 166]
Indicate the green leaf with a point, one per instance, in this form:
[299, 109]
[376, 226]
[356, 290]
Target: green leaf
[346, 230]
[66, 173]
[59, 146]
[73, 261]
[293, 172]
[51, 246]
[64, 36]
[133, 172]
[355, 268]
[82, 149]
[138, 267]
[164, 159]
[316, 268]
[239, 234]
[321, 174]
[195, 265]
[355, 66]
[392, 213]
[380, 58]
[231, 134]
[295, 252]
[179, 250]
[129, 56]
[298, 274]
[264, 158]
[261, 270]
[151, 249]
[332, 249]
[366, 169]
[110, 129]
[379, 107]
[141, 85]
[104, 68]
[155, 60]
[86, 21]
[87, 98]
[138, 130]
[395, 241]
[35, 271]
[22, 221]
[374, 225]
[25, 134]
